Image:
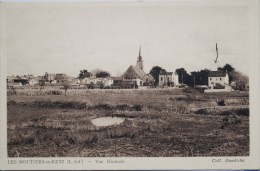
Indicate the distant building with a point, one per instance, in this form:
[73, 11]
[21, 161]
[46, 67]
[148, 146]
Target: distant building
[137, 74]
[61, 78]
[169, 79]
[10, 79]
[85, 78]
[33, 81]
[218, 79]
[49, 77]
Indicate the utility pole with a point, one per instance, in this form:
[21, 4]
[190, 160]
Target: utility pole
[182, 78]
[194, 80]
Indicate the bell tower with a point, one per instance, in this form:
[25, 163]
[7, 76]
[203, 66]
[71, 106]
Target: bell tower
[139, 62]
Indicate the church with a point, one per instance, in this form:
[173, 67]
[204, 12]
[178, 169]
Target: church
[135, 74]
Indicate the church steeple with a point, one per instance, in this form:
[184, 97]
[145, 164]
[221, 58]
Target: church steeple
[139, 62]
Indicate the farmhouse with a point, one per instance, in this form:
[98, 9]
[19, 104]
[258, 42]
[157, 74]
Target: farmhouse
[169, 79]
[136, 73]
[218, 79]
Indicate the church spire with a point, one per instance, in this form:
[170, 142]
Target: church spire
[140, 51]
[139, 62]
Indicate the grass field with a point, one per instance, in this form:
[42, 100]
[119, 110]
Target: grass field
[168, 123]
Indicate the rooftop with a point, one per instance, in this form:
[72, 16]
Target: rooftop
[217, 74]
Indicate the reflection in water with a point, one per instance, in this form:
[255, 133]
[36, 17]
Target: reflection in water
[107, 121]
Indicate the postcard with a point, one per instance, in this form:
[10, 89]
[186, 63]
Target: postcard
[126, 85]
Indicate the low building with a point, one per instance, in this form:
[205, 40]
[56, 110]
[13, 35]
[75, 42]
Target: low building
[10, 79]
[61, 78]
[50, 77]
[218, 79]
[169, 79]
[33, 81]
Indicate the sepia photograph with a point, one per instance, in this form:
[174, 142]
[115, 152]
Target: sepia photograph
[128, 79]
[150, 82]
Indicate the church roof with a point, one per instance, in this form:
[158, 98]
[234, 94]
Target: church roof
[217, 74]
[134, 71]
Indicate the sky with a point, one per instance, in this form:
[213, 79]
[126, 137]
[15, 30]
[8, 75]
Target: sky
[69, 37]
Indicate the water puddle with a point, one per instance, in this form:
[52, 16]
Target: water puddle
[107, 121]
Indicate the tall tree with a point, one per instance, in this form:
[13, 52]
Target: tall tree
[230, 71]
[227, 68]
[155, 72]
[184, 77]
[102, 74]
[200, 77]
[83, 72]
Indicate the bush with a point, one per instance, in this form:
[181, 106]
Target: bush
[138, 107]
[221, 102]
[243, 112]
[202, 112]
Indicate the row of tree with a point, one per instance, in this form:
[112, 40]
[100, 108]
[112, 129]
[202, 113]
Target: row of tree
[97, 73]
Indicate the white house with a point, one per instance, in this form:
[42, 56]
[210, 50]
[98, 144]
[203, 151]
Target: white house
[33, 81]
[218, 79]
[108, 81]
[169, 79]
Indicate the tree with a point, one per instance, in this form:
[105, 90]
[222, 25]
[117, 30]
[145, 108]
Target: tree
[200, 77]
[102, 74]
[66, 87]
[182, 74]
[42, 84]
[241, 81]
[227, 68]
[184, 77]
[84, 72]
[155, 72]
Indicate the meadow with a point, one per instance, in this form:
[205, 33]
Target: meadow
[158, 123]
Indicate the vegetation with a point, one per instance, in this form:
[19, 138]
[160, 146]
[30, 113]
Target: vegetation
[155, 72]
[162, 123]
[102, 74]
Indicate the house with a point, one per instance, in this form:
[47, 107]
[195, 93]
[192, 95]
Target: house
[85, 77]
[61, 78]
[10, 79]
[218, 79]
[50, 78]
[169, 79]
[107, 81]
[137, 74]
[33, 81]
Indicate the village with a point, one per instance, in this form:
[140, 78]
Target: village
[133, 78]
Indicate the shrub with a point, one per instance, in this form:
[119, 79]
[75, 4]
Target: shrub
[138, 107]
[243, 112]
[202, 112]
[221, 102]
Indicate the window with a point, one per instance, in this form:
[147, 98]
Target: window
[140, 82]
[210, 79]
[161, 78]
[220, 79]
